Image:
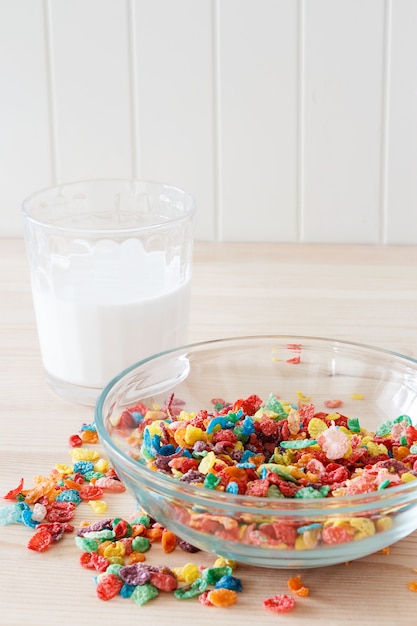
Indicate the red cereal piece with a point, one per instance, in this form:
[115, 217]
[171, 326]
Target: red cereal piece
[203, 598]
[336, 534]
[280, 603]
[40, 541]
[108, 586]
[164, 582]
[333, 404]
[75, 441]
[248, 406]
[91, 492]
[11, 495]
[60, 512]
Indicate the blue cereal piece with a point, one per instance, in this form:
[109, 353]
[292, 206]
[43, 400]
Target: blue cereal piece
[69, 495]
[11, 514]
[229, 582]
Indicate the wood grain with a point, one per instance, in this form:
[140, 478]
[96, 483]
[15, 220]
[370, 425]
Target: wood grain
[359, 293]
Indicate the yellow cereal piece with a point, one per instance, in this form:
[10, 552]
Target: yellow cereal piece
[364, 527]
[357, 396]
[334, 417]
[300, 543]
[84, 454]
[64, 469]
[155, 415]
[99, 506]
[311, 538]
[348, 452]
[316, 426]
[188, 573]
[375, 449]
[302, 398]
[118, 560]
[101, 465]
[207, 463]
[186, 416]
[383, 523]
[154, 428]
[407, 477]
[193, 434]
[223, 562]
[260, 413]
[116, 548]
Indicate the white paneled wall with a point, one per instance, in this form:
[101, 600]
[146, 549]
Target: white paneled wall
[289, 120]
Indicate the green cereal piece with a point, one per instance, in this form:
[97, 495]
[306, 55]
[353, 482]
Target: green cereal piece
[190, 591]
[141, 544]
[306, 493]
[274, 492]
[145, 520]
[211, 481]
[89, 476]
[384, 428]
[385, 483]
[353, 425]
[403, 418]
[403, 441]
[100, 535]
[143, 593]
[232, 417]
[86, 545]
[114, 568]
[273, 404]
[212, 574]
[273, 467]
[298, 444]
[238, 431]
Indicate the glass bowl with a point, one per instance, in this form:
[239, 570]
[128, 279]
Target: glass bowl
[350, 388]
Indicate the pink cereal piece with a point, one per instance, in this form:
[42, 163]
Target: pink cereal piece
[333, 442]
[110, 484]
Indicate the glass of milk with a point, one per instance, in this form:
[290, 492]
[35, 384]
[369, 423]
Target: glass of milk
[110, 264]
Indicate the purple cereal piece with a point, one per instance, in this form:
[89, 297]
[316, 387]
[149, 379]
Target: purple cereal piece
[193, 476]
[187, 547]
[136, 574]
[95, 527]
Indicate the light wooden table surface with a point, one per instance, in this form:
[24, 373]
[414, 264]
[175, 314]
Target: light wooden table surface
[359, 293]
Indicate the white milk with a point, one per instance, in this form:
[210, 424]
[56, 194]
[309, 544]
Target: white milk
[96, 319]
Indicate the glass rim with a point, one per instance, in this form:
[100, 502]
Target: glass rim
[29, 216]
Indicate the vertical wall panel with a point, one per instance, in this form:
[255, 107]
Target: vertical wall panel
[343, 90]
[24, 116]
[402, 135]
[174, 73]
[257, 99]
[91, 90]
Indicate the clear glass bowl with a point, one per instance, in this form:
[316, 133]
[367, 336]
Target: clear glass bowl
[374, 385]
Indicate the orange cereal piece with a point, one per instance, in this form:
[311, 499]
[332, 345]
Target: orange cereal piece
[222, 597]
[102, 546]
[136, 557]
[386, 550]
[412, 585]
[138, 530]
[295, 584]
[154, 534]
[168, 541]
[89, 436]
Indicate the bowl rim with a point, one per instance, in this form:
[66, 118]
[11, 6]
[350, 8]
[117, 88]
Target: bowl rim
[202, 496]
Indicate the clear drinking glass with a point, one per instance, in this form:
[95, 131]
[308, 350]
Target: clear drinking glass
[110, 264]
